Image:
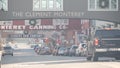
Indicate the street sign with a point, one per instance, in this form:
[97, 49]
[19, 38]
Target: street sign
[26, 36]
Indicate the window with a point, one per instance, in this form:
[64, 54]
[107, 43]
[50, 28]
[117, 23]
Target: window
[92, 4]
[108, 33]
[113, 4]
[7, 48]
[103, 5]
[60, 21]
[51, 4]
[6, 23]
[47, 5]
[4, 5]
[44, 4]
[58, 4]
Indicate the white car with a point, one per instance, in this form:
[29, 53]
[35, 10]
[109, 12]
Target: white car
[7, 50]
[81, 50]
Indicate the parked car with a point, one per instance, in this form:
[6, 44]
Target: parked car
[61, 51]
[7, 50]
[82, 49]
[72, 50]
[44, 50]
[55, 51]
[36, 48]
[32, 45]
[66, 52]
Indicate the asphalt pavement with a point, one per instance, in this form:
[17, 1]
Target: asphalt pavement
[27, 58]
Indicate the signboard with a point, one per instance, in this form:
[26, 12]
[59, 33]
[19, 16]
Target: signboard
[44, 24]
[26, 36]
[41, 27]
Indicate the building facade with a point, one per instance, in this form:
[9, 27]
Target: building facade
[36, 9]
[70, 17]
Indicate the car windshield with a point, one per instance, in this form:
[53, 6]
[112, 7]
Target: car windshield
[75, 47]
[108, 33]
[7, 48]
[62, 48]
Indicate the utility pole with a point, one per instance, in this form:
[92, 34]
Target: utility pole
[76, 37]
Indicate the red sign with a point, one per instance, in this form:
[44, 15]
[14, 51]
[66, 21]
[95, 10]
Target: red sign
[47, 24]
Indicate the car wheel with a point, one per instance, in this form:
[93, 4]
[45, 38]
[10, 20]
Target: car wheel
[94, 58]
[53, 54]
[89, 58]
[80, 54]
[69, 55]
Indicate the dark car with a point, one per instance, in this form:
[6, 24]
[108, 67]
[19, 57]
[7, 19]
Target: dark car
[106, 44]
[61, 51]
[55, 51]
[32, 45]
[66, 52]
[72, 51]
[35, 46]
[7, 50]
[44, 50]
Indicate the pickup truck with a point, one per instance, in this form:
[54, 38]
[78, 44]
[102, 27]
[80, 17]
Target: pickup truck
[106, 43]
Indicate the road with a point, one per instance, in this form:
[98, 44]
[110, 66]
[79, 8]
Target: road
[27, 58]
